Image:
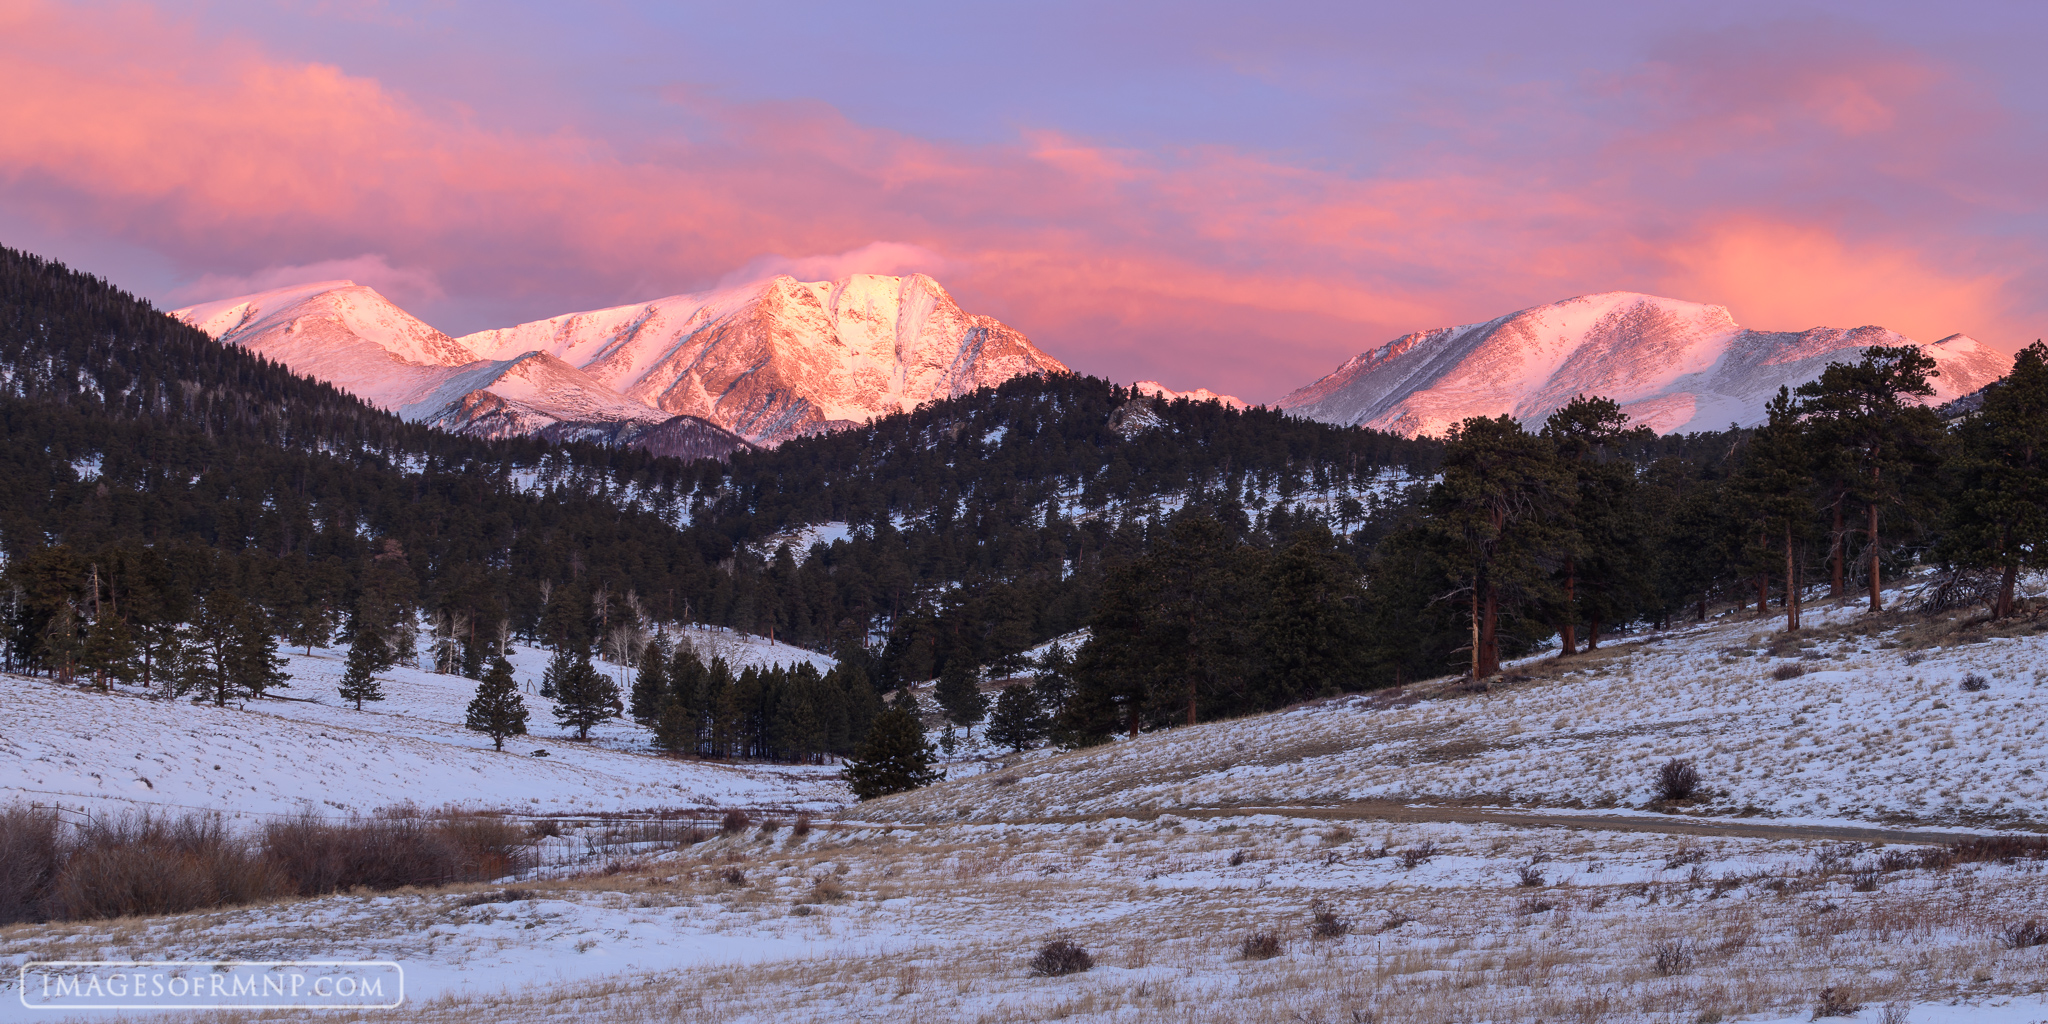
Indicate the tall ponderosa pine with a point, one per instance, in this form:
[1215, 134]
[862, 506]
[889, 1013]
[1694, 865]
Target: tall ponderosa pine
[1999, 518]
[1309, 625]
[896, 758]
[650, 682]
[585, 697]
[497, 710]
[1603, 542]
[1774, 488]
[366, 658]
[109, 652]
[1885, 442]
[1498, 507]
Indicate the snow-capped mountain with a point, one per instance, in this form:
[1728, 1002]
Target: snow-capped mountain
[785, 357]
[1673, 366]
[1167, 394]
[761, 363]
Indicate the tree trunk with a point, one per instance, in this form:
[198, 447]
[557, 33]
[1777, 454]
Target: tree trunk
[1571, 614]
[1489, 641]
[1593, 634]
[1791, 584]
[1477, 583]
[1763, 594]
[1876, 582]
[1191, 698]
[2011, 576]
[1702, 614]
[1835, 554]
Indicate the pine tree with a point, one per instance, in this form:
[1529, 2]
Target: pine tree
[1497, 509]
[1603, 540]
[650, 684]
[366, 658]
[1887, 443]
[958, 695]
[584, 696]
[1773, 485]
[254, 662]
[109, 652]
[560, 665]
[1309, 629]
[896, 758]
[497, 710]
[676, 726]
[1018, 721]
[1999, 519]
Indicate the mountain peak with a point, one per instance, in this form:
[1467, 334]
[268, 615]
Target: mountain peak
[1673, 365]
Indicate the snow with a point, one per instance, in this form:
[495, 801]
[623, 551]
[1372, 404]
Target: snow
[1153, 387]
[268, 757]
[1672, 365]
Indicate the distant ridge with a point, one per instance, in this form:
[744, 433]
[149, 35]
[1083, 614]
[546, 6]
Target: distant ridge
[1673, 365]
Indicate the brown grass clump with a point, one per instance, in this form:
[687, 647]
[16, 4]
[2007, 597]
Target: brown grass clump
[734, 822]
[1259, 946]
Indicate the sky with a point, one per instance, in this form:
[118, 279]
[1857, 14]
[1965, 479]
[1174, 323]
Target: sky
[1224, 195]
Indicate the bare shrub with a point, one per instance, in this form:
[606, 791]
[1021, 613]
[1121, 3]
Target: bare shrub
[2002, 849]
[1974, 683]
[1864, 881]
[1686, 853]
[1323, 922]
[1533, 906]
[320, 856]
[1677, 779]
[1670, 957]
[1895, 1012]
[769, 826]
[1059, 958]
[1237, 858]
[733, 876]
[1417, 855]
[1529, 876]
[1834, 1001]
[735, 820]
[150, 864]
[802, 826]
[1259, 946]
[827, 888]
[32, 850]
[1789, 670]
[2023, 935]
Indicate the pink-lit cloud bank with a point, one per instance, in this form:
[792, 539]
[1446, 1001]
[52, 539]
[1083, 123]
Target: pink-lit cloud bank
[1861, 182]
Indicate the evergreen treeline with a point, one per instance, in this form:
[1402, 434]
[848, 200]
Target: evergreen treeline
[1572, 530]
[149, 466]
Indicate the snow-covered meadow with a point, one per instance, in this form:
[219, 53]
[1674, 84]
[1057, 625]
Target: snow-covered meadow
[98, 752]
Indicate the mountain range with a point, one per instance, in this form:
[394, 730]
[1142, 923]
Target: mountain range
[1674, 366]
[688, 375]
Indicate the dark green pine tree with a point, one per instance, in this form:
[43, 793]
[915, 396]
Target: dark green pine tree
[1018, 722]
[1888, 444]
[219, 669]
[676, 726]
[650, 683]
[896, 758]
[560, 665]
[585, 697]
[1774, 488]
[366, 658]
[1604, 540]
[1310, 627]
[1999, 519]
[254, 662]
[109, 652]
[1498, 509]
[957, 693]
[497, 710]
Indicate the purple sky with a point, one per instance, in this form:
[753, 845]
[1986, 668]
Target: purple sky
[1228, 196]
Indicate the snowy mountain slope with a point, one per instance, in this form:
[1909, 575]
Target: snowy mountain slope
[1673, 366]
[354, 338]
[119, 750]
[783, 358]
[1851, 721]
[1167, 394]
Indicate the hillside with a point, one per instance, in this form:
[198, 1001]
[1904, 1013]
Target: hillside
[1674, 366]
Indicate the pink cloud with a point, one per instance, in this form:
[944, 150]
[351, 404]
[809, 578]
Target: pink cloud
[400, 284]
[1852, 188]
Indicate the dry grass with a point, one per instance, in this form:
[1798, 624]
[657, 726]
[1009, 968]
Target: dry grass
[1750, 928]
